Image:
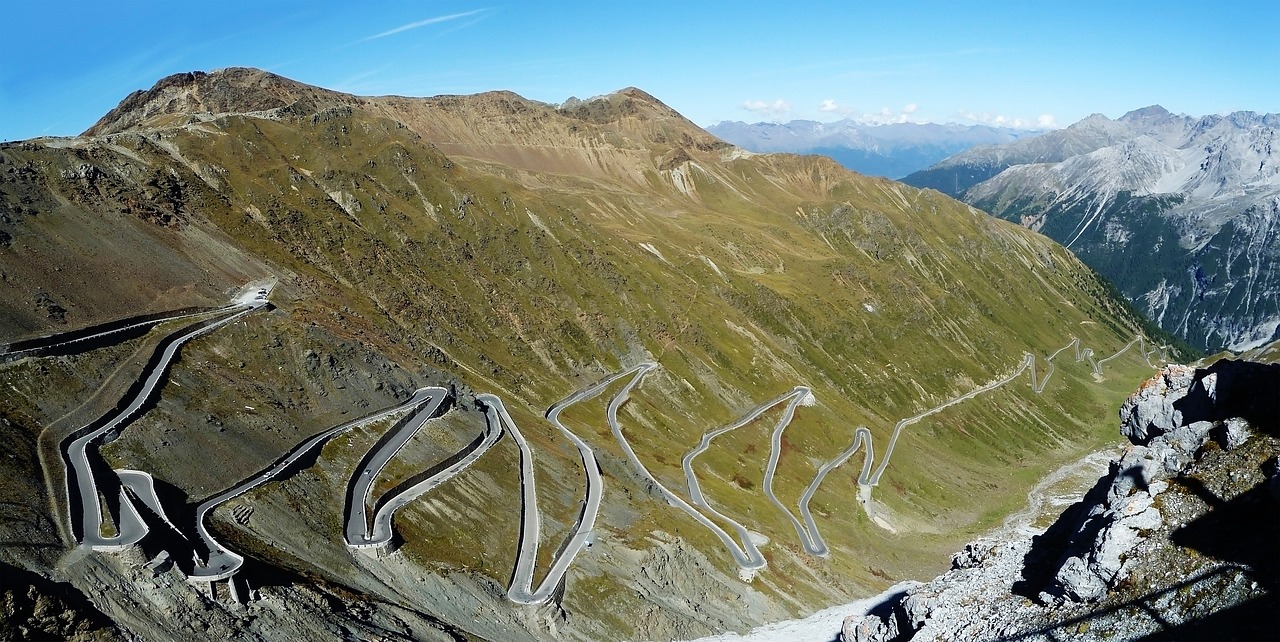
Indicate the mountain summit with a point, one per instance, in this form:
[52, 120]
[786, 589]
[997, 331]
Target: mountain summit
[235, 90]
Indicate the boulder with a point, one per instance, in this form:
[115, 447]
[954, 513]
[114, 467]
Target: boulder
[1232, 433]
[1150, 411]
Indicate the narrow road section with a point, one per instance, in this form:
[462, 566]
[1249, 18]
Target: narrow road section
[131, 529]
[521, 590]
[810, 541]
[357, 532]
[220, 563]
[747, 556]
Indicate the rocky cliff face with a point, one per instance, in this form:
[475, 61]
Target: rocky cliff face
[1178, 540]
[1181, 213]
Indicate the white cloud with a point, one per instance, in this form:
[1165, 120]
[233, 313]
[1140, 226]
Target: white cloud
[830, 106]
[775, 110]
[1045, 121]
[887, 116]
[423, 23]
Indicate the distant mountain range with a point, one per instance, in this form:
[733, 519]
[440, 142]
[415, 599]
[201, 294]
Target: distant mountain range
[893, 150]
[1181, 213]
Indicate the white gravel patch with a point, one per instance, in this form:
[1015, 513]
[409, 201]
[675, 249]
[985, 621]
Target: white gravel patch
[823, 626]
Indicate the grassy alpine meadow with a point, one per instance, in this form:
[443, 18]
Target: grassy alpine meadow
[534, 256]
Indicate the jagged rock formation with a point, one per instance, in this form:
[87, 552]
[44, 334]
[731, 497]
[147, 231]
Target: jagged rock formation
[1177, 541]
[1181, 213]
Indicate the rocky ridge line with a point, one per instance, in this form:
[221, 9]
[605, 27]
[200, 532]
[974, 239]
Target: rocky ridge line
[1178, 539]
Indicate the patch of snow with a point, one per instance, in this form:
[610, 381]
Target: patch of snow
[540, 225]
[654, 251]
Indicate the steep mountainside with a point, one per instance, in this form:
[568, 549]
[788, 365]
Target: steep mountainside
[1182, 214]
[1176, 541]
[893, 150]
[958, 173]
[506, 253]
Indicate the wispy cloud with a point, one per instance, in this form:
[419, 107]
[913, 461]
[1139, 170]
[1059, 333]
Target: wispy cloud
[830, 106]
[356, 83]
[423, 23]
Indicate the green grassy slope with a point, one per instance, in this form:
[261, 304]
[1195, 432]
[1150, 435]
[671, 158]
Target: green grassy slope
[588, 242]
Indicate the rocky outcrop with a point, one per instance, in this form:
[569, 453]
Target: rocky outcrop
[1179, 532]
[35, 608]
[230, 90]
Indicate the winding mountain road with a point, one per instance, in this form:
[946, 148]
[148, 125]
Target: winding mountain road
[221, 563]
[76, 453]
[521, 590]
[397, 498]
[67, 340]
[136, 489]
[357, 532]
[808, 532]
[809, 539]
[747, 556]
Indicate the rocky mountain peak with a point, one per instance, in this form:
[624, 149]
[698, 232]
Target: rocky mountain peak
[1092, 120]
[1146, 113]
[230, 90]
[638, 113]
[629, 102]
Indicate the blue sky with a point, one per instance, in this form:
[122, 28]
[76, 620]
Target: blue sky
[64, 64]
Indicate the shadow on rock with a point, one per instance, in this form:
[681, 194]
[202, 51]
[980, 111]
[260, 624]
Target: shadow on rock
[1229, 389]
[1243, 531]
[1073, 530]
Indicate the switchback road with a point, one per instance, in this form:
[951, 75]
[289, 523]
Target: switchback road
[357, 531]
[221, 563]
[80, 471]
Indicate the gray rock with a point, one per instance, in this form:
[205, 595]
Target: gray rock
[973, 554]
[868, 629]
[1078, 582]
[1233, 433]
[917, 607]
[1150, 411]
[1137, 469]
[1188, 439]
[1113, 540]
